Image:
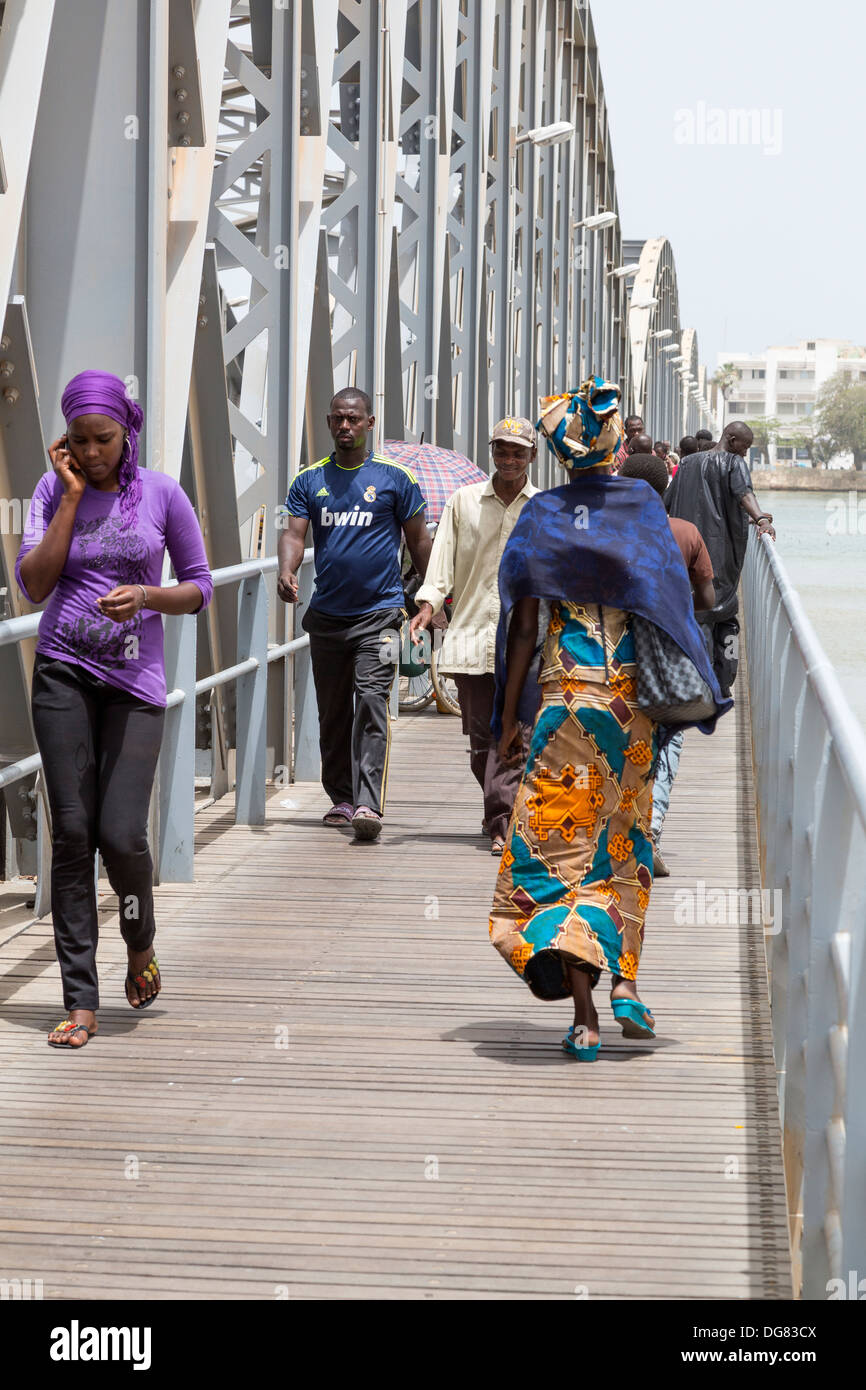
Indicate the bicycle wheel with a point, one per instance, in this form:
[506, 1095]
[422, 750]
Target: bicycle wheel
[416, 692]
[444, 688]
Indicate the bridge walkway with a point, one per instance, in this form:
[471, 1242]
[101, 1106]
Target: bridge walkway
[344, 1092]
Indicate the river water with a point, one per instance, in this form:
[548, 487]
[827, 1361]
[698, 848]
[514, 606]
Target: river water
[820, 542]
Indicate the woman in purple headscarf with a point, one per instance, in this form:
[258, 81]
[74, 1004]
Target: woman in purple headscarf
[97, 533]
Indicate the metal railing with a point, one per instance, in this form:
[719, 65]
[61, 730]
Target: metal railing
[810, 775]
[175, 808]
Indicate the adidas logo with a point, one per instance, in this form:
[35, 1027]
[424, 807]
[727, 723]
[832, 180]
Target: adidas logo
[353, 518]
[323, 492]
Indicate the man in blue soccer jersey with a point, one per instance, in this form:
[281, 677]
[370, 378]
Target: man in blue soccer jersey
[357, 502]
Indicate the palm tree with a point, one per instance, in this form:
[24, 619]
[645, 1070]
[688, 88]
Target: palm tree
[725, 380]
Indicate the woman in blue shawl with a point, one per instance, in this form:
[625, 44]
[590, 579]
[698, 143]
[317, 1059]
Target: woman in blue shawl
[574, 881]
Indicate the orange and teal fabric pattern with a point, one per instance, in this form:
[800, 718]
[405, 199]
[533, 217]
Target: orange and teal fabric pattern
[575, 877]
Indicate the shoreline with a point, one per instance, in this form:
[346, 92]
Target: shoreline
[808, 479]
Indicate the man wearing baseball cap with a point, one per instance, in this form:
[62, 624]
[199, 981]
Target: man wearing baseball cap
[464, 562]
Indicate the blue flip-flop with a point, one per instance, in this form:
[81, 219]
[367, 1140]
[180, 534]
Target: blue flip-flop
[583, 1054]
[635, 1019]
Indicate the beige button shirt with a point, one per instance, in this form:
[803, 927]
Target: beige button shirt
[464, 562]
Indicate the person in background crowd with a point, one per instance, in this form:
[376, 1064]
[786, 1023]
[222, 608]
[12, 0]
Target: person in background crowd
[662, 450]
[464, 562]
[700, 570]
[714, 491]
[96, 537]
[641, 446]
[633, 426]
[704, 441]
[574, 881]
[688, 446]
[357, 502]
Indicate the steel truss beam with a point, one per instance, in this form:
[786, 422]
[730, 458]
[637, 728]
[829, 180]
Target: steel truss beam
[376, 218]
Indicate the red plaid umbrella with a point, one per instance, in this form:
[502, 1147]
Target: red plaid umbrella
[439, 471]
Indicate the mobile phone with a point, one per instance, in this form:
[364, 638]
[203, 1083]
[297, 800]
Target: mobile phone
[64, 444]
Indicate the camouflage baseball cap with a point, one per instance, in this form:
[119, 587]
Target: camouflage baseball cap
[515, 428]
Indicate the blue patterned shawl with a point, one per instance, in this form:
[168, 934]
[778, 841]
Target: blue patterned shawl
[604, 540]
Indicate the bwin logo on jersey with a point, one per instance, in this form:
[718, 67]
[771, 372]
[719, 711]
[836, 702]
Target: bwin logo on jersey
[353, 518]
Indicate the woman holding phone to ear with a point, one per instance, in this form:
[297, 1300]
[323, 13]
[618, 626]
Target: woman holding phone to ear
[96, 537]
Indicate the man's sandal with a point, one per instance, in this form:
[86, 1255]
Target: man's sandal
[366, 823]
[340, 814]
[68, 1030]
[147, 977]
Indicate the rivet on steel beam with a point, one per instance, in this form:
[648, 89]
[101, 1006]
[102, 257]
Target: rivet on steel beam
[11, 394]
[185, 140]
[202, 320]
[181, 94]
[183, 118]
[4, 343]
[6, 367]
[178, 72]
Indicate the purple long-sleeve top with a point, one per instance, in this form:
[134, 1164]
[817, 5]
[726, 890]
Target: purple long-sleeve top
[102, 556]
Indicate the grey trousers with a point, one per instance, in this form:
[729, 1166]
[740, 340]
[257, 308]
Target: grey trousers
[353, 683]
[498, 783]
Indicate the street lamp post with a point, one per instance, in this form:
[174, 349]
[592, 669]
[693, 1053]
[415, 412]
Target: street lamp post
[539, 137]
[597, 222]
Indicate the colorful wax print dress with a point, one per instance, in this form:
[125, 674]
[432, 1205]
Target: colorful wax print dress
[574, 880]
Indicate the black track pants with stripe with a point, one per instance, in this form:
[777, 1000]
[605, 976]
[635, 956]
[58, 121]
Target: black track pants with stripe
[353, 670]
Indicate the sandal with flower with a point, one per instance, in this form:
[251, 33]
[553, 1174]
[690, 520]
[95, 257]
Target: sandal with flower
[66, 1032]
[148, 976]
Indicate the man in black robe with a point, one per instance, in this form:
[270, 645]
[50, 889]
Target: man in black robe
[714, 491]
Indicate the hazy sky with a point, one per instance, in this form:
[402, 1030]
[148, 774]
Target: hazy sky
[768, 247]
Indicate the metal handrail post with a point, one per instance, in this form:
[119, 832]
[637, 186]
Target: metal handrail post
[853, 1212]
[822, 1197]
[306, 761]
[176, 769]
[251, 705]
[810, 782]
[42, 901]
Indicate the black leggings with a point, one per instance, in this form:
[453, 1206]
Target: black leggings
[99, 748]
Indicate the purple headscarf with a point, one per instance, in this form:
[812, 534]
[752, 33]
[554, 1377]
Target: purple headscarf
[100, 393]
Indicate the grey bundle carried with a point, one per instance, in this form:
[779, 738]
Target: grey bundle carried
[670, 689]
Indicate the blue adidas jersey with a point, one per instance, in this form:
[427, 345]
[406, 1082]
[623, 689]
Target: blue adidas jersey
[356, 515]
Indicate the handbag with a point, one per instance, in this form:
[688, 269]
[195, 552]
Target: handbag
[670, 688]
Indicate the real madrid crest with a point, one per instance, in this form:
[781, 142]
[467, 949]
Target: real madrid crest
[370, 494]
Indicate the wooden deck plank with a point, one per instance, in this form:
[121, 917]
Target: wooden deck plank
[307, 1169]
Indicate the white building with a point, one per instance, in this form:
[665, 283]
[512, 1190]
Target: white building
[783, 384]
